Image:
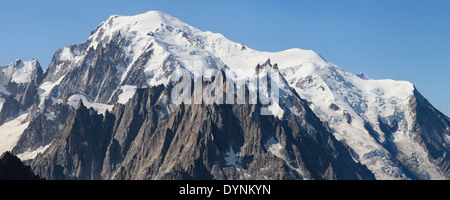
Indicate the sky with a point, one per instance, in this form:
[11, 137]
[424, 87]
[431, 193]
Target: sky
[386, 39]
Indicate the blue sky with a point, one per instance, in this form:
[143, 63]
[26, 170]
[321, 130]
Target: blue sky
[395, 39]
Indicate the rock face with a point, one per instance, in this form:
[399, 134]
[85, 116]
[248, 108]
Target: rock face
[43, 129]
[429, 125]
[11, 168]
[11, 108]
[138, 141]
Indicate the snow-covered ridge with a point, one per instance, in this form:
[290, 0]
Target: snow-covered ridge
[24, 72]
[169, 37]
[141, 24]
[19, 72]
[373, 117]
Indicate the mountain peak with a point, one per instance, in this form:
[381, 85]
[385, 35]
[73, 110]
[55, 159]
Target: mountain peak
[19, 63]
[142, 23]
[153, 14]
[187, 43]
[19, 71]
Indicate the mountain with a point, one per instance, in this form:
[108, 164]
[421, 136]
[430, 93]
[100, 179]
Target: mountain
[391, 128]
[122, 54]
[11, 168]
[196, 141]
[18, 91]
[104, 109]
[18, 80]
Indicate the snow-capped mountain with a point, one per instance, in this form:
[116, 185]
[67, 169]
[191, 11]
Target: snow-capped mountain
[140, 50]
[16, 76]
[385, 125]
[376, 118]
[18, 83]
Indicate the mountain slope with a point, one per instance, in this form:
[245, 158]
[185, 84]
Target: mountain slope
[122, 54]
[18, 90]
[18, 80]
[194, 142]
[381, 120]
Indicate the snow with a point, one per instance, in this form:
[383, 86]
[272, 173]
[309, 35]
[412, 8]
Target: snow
[50, 116]
[367, 101]
[99, 107]
[19, 72]
[45, 89]
[363, 76]
[2, 101]
[127, 92]
[11, 131]
[275, 148]
[4, 91]
[29, 155]
[276, 110]
[174, 44]
[178, 45]
[232, 159]
[66, 54]
[447, 138]
[24, 72]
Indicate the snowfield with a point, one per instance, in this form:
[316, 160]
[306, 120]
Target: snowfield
[11, 131]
